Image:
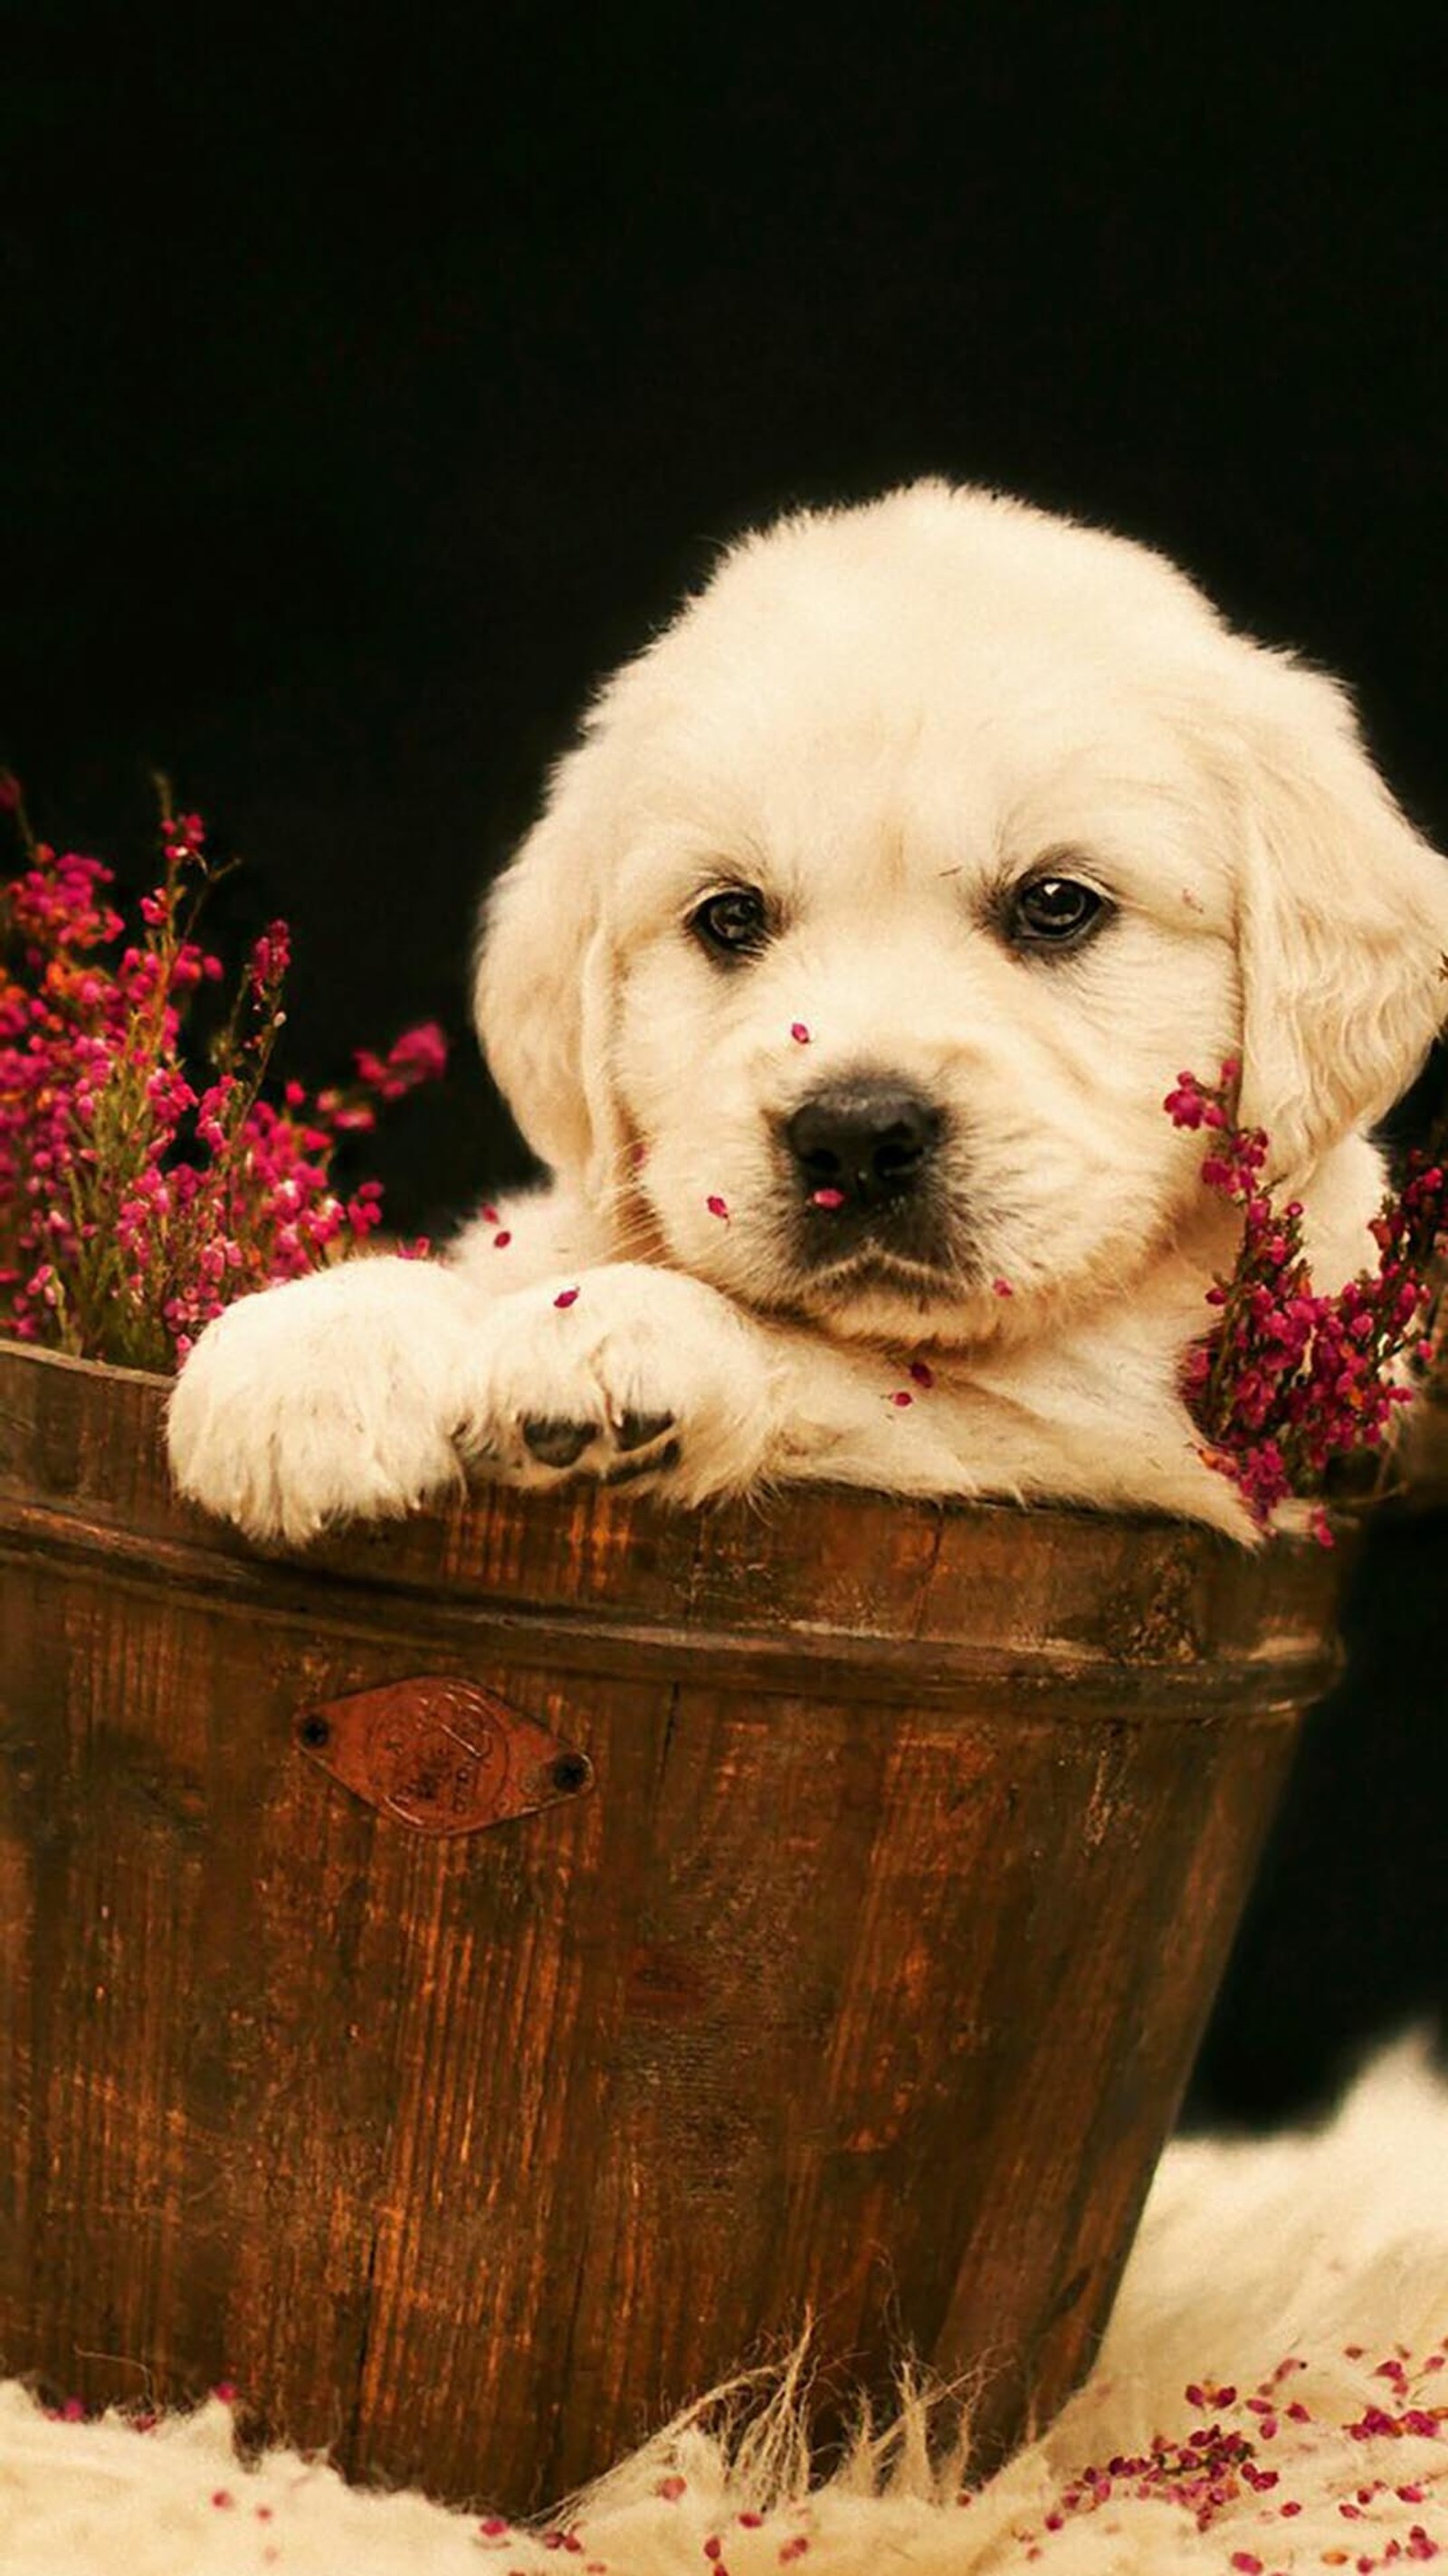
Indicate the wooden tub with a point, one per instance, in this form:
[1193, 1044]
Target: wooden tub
[858, 1878]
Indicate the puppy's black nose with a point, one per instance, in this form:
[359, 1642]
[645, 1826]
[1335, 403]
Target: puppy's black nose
[868, 1140]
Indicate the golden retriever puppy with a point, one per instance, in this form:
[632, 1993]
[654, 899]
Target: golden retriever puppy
[840, 985]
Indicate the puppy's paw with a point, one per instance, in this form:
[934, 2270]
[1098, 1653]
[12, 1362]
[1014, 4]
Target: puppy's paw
[627, 1374]
[330, 1398]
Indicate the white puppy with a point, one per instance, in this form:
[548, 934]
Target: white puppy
[840, 985]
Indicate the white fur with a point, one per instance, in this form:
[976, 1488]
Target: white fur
[883, 716]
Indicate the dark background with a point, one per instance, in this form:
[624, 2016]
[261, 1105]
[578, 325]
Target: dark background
[371, 387]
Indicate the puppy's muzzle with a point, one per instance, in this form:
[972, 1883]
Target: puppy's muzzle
[863, 1152]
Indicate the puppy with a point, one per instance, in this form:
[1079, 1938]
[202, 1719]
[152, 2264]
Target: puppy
[840, 985]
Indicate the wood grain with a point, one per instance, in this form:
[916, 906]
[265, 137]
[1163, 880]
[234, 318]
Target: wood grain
[864, 1979]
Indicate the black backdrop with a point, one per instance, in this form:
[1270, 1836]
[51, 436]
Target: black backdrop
[372, 385]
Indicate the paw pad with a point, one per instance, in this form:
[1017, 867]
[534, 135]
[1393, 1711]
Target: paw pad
[635, 1445]
[557, 1444]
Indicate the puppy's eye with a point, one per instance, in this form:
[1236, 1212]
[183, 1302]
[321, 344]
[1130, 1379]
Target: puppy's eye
[732, 924]
[1053, 912]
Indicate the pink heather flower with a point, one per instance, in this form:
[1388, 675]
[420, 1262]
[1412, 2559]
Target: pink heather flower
[566, 1297]
[153, 1198]
[827, 1198]
[420, 1055]
[272, 954]
[799, 1033]
[718, 1207]
[1286, 1381]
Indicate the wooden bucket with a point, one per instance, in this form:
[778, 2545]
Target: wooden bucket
[878, 1865]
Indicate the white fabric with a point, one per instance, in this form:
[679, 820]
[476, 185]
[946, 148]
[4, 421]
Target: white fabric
[1326, 2252]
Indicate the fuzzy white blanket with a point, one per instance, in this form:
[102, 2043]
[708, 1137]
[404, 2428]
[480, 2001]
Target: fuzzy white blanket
[1273, 2396]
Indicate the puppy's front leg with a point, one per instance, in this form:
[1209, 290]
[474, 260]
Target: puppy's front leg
[1099, 1422]
[333, 1397]
[628, 1373]
[341, 1395]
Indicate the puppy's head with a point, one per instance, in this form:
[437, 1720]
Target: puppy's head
[888, 892]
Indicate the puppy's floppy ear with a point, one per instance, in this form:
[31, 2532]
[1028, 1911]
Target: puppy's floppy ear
[543, 988]
[1343, 921]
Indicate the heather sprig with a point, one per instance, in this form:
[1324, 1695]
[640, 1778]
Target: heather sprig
[145, 1182]
[1289, 1381]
